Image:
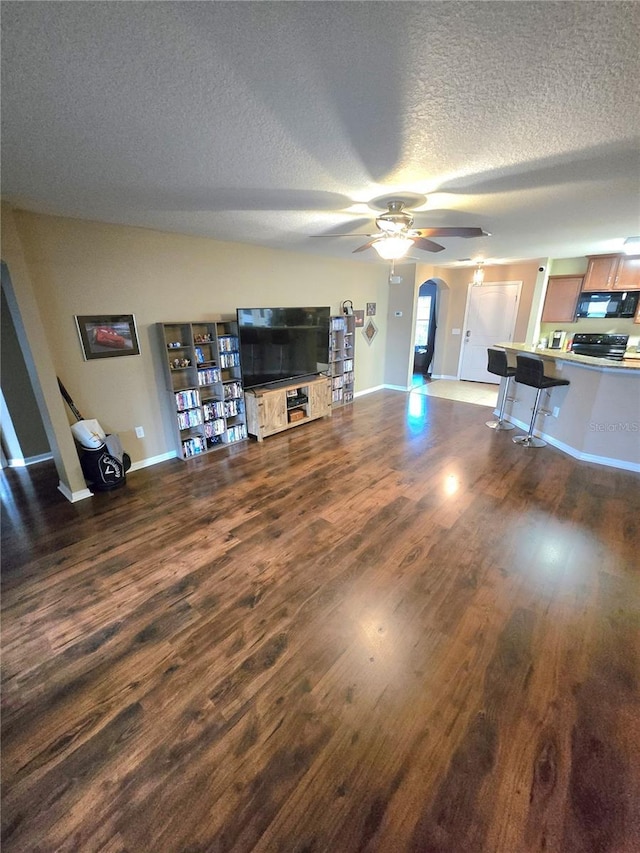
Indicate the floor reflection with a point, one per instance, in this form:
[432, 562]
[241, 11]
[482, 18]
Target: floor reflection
[478, 393]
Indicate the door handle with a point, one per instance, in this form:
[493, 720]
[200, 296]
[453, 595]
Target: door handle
[468, 333]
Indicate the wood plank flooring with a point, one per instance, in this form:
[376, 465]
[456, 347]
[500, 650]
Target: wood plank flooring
[392, 630]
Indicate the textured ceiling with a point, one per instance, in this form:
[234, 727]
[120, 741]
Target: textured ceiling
[270, 122]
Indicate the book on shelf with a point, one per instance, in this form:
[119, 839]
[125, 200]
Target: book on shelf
[189, 398]
[232, 390]
[214, 427]
[193, 445]
[208, 376]
[236, 433]
[229, 359]
[233, 408]
[189, 418]
[228, 343]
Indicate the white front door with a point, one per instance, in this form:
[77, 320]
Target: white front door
[490, 319]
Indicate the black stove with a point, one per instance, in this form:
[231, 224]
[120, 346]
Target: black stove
[600, 346]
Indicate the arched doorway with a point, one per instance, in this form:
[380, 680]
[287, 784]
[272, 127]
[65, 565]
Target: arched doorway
[425, 329]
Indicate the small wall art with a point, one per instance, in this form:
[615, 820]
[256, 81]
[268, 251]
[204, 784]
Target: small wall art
[371, 309]
[358, 318]
[107, 335]
[370, 331]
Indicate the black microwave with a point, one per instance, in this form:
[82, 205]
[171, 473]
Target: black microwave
[608, 303]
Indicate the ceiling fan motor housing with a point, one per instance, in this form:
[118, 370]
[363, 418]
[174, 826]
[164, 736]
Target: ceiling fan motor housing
[396, 219]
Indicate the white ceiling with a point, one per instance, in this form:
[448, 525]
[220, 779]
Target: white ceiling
[271, 122]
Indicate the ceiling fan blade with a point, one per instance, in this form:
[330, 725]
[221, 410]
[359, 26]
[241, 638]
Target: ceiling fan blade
[426, 245]
[366, 245]
[450, 232]
[344, 235]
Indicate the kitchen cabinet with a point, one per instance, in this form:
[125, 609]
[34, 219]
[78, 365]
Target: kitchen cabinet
[561, 299]
[612, 272]
[628, 273]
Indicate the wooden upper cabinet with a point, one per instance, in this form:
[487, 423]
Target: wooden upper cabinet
[612, 272]
[628, 276]
[601, 272]
[561, 299]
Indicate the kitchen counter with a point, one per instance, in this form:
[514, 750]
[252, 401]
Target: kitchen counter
[632, 362]
[595, 418]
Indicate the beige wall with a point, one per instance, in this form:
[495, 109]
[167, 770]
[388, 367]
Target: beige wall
[568, 266]
[401, 312]
[80, 267]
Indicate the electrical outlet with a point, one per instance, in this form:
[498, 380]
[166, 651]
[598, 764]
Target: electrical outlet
[139, 432]
[556, 411]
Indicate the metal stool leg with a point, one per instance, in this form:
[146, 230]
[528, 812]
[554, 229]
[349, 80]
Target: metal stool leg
[529, 440]
[501, 424]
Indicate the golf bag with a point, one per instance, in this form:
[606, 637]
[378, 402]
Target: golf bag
[102, 459]
[104, 467]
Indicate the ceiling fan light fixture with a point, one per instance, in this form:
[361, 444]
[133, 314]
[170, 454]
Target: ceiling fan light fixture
[388, 226]
[392, 248]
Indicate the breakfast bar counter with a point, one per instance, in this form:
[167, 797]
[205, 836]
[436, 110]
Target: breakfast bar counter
[631, 361]
[595, 418]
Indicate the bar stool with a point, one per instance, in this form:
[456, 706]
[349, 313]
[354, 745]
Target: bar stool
[530, 371]
[497, 364]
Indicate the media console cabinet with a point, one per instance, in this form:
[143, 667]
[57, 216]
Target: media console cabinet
[275, 408]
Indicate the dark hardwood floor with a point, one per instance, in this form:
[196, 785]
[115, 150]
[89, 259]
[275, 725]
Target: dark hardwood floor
[392, 630]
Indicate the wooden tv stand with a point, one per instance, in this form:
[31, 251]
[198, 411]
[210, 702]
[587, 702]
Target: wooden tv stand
[282, 405]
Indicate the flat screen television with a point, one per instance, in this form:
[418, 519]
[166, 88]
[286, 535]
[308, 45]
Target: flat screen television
[282, 343]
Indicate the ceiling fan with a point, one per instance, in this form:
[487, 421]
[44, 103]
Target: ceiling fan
[396, 235]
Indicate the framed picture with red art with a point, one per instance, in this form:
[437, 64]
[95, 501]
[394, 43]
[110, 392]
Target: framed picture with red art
[107, 335]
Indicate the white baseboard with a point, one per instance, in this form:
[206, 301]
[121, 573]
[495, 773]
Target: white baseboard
[443, 376]
[29, 460]
[152, 460]
[402, 388]
[74, 497]
[42, 457]
[621, 464]
[369, 390]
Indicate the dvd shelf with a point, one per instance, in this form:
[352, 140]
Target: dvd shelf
[203, 376]
[341, 355]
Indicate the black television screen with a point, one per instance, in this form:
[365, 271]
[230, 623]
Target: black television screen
[282, 343]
